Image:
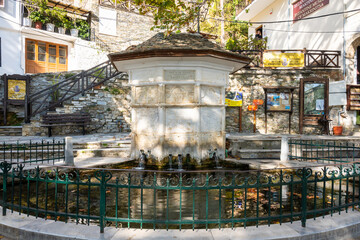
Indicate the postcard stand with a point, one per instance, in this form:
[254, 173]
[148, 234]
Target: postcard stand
[279, 99]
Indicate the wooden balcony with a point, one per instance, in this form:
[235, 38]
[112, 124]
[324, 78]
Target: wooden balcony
[312, 58]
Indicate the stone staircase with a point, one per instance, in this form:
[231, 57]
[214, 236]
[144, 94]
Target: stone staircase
[255, 148]
[114, 148]
[10, 130]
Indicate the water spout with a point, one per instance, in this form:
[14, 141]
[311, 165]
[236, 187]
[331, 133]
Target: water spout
[142, 160]
[180, 163]
[216, 158]
[170, 162]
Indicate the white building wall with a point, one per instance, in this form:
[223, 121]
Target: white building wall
[327, 33]
[10, 38]
[84, 55]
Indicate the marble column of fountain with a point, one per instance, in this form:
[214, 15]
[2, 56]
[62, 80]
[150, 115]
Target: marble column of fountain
[178, 94]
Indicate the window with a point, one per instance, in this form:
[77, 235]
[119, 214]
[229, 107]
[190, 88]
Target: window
[2, 3]
[259, 33]
[45, 57]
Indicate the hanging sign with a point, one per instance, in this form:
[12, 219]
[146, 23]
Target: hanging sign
[233, 99]
[280, 60]
[16, 89]
[303, 8]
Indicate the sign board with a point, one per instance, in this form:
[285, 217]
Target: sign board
[281, 60]
[107, 21]
[303, 8]
[337, 93]
[16, 89]
[234, 99]
[278, 101]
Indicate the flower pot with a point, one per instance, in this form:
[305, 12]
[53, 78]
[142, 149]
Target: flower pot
[50, 27]
[38, 25]
[74, 32]
[61, 30]
[337, 130]
[27, 22]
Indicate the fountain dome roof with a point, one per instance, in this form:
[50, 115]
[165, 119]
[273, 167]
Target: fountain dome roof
[177, 45]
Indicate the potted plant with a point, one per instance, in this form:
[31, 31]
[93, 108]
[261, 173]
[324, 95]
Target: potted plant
[59, 18]
[74, 31]
[49, 19]
[67, 23]
[83, 27]
[38, 18]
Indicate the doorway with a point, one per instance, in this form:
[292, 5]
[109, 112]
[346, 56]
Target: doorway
[314, 103]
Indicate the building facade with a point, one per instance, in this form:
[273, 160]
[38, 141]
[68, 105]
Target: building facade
[27, 49]
[310, 24]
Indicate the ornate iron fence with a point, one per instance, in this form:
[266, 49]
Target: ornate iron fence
[323, 151]
[195, 199]
[43, 152]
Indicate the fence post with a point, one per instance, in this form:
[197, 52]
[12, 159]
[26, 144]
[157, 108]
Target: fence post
[69, 154]
[5, 167]
[305, 174]
[103, 177]
[284, 156]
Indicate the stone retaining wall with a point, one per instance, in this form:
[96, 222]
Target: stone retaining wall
[251, 83]
[110, 106]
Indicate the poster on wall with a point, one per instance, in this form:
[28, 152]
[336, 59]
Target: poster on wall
[303, 8]
[280, 60]
[233, 99]
[16, 89]
[278, 102]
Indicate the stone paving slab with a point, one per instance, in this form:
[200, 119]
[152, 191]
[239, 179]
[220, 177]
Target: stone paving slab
[344, 226]
[76, 138]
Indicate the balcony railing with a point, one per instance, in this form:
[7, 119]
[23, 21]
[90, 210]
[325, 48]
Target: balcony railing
[312, 58]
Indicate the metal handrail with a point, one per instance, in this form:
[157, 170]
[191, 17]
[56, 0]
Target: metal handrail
[60, 92]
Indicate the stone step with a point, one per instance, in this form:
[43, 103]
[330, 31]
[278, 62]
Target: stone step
[10, 130]
[256, 144]
[103, 152]
[258, 153]
[103, 144]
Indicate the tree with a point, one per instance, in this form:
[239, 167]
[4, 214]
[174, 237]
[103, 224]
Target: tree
[171, 15]
[175, 15]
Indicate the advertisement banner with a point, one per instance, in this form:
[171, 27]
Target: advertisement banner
[279, 59]
[16, 89]
[233, 99]
[303, 8]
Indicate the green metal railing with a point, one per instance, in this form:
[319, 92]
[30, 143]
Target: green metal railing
[43, 152]
[178, 200]
[323, 151]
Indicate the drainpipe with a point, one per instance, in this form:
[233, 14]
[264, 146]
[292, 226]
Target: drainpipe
[289, 24]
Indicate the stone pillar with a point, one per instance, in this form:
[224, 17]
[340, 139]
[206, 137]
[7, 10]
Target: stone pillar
[69, 154]
[284, 157]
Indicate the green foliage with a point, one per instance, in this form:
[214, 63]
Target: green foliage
[83, 27]
[246, 43]
[170, 15]
[37, 16]
[68, 23]
[68, 75]
[56, 93]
